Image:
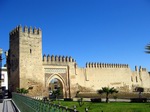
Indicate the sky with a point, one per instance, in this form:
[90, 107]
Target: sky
[104, 31]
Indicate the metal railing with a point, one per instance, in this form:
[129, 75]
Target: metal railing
[28, 104]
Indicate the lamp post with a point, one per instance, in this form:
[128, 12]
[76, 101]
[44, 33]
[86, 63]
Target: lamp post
[1, 52]
[1, 92]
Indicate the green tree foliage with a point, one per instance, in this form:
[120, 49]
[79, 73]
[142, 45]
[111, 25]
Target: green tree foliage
[80, 102]
[77, 93]
[107, 91]
[115, 97]
[56, 93]
[147, 48]
[22, 90]
[140, 90]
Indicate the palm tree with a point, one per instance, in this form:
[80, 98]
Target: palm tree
[108, 91]
[147, 48]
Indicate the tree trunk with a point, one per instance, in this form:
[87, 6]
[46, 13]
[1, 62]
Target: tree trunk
[107, 98]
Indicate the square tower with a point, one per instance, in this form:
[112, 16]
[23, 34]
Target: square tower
[25, 58]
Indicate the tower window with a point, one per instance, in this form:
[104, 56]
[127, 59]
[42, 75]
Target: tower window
[30, 51]
[131, 79]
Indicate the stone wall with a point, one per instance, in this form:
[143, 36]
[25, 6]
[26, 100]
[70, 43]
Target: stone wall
[121, 77]
[105, 76]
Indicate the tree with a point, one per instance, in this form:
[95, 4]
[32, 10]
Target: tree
[147, 48]
[22, 90]
[80, 102]
[107, 91]
[140, 90]
[56, 93]
[77, 93]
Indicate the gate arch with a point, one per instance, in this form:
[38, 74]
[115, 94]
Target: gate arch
[61, 80]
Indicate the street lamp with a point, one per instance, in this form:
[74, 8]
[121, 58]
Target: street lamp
[1, 52]
[1, 93]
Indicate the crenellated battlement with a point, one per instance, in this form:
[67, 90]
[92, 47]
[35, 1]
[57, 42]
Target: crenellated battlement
[142, 69]
[105, 65]
[25, 29]
[60, 59]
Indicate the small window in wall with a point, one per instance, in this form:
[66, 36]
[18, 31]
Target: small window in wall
[131, 79]
[30, 51]
[136, 79]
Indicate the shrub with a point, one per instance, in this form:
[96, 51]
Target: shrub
[45, 99]
[77, 93]
[68, 99]
[115, 97]
[96, 100]
[139, 100]
[81, 102]
[22, 90]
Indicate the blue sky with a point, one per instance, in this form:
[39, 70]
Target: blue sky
[107, 31]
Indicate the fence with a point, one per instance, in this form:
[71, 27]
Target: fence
[27, 104]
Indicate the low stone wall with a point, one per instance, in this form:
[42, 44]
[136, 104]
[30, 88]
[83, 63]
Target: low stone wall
[115, 95]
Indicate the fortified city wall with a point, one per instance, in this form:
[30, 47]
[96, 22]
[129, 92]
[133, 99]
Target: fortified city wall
[28, 69]
[97, 75]
[57, 60]
[120, 76]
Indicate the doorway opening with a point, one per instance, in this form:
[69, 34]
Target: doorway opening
[55, 88]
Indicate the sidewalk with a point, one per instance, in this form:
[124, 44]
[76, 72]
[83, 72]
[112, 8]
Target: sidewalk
[7, 106]
[1, 107]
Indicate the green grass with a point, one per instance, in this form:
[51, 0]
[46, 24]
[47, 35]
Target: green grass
[109, 107]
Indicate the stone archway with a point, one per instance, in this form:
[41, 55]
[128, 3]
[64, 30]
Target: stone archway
[55, 81]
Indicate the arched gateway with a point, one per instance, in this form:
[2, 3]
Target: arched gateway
[61, 77]
[56, 81]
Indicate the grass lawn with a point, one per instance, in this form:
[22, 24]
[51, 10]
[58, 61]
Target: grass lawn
[109, 107]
